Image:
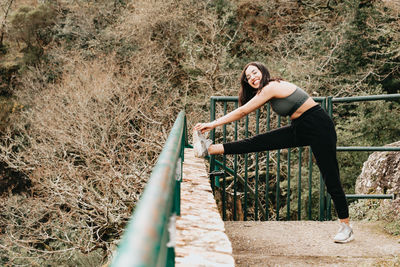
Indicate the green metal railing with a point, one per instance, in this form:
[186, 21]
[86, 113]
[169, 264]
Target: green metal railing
[146, 241]
[220, 170]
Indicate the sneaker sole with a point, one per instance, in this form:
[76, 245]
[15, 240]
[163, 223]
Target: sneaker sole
[345, 241]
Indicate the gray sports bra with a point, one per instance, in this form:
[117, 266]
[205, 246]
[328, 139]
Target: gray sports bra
[286, 106]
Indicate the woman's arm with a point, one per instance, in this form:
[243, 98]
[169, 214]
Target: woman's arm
[257, 101]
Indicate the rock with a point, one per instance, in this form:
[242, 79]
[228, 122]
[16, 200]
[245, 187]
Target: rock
[380, 173]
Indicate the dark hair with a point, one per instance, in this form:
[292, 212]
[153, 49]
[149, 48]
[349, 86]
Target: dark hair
[247, 92]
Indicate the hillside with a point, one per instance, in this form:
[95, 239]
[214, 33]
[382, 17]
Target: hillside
[90, 89]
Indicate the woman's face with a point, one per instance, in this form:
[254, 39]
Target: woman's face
[253, 76]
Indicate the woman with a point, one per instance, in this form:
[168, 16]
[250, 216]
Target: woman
[310, 125]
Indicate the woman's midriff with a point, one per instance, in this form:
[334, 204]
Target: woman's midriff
[303, 108]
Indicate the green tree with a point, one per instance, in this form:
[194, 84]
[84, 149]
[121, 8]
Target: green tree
[32, 26]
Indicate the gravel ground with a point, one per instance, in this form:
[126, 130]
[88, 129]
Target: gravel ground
[309, 243]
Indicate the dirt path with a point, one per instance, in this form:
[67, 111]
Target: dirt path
[309, 243]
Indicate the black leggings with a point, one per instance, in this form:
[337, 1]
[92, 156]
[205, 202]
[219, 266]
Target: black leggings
[313, 128]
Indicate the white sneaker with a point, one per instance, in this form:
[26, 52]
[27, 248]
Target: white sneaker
[200, 144]
[345, 234]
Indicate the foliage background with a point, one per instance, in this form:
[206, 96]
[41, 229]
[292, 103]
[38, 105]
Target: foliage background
[90, 89]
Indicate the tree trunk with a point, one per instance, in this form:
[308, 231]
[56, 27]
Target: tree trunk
[3, 24]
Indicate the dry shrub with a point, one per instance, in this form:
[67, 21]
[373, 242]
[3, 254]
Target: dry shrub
[87, 144]
[186, 47]
[263, 21]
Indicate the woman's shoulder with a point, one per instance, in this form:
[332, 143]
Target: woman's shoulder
[280, 87]
[281, 84]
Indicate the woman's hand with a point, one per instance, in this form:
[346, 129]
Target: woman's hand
[204, 127]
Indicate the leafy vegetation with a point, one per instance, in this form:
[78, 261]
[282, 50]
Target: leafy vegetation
[90, 90]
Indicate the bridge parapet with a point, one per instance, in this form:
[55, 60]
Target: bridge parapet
[200, 236]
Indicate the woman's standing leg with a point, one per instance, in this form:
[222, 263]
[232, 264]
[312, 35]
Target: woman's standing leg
[318, 130]
[325, 156]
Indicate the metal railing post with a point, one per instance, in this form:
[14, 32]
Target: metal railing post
[212, 137]
[235, 162]
[322, 191]
[267, 167]
[224, 177]
[328, 197]
[278, 176]
[256, 170]
[299, 187]
[246, 157]
[310, 167]
[288, 188]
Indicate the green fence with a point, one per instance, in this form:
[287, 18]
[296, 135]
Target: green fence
[147, 240]
[261, 206]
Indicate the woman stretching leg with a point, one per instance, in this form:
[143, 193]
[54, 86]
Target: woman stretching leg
[311, 126]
